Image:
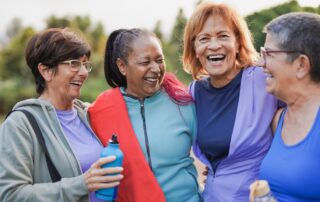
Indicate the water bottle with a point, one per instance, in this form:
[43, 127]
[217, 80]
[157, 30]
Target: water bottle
[260, 192]
[110, 194]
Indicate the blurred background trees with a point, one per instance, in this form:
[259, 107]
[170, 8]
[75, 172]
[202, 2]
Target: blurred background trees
[16, 81]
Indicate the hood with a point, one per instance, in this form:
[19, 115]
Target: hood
[45, 105]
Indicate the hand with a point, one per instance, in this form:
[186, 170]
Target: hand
[95, 177]
[205, 173]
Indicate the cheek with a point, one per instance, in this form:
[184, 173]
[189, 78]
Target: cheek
[163, 68]
[196, 49]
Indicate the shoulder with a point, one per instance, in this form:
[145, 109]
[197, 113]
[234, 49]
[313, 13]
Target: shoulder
[198, 84]
[80, 105]
[254, 76]
[15, 127]
[255, 71]
[104, 99]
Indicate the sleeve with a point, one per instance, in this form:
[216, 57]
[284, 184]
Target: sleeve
[191, 88]
[194, 124]
[17, 168]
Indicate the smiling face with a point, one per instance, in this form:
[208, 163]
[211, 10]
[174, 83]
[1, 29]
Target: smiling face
[145, 67]
[64, 85]
[216, 48]
[280, 72]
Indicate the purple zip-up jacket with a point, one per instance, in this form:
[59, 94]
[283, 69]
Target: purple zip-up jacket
[250, 141]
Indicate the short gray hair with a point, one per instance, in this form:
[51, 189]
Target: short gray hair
[298, 31]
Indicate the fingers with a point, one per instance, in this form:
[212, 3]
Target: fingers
[102, 161]
[205, 172]
[105, 171]
[95, 186]
[105, 179]
[101, 178]
[99, 182]
[98, 178]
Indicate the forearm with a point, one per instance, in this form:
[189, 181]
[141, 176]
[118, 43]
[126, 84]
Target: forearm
[25, 179]
[68, 189]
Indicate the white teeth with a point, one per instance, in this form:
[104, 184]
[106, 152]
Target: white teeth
[77, 83]
[220, 56]
[216, 58]
[152, 79]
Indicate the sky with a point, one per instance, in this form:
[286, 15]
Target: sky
[115, 14]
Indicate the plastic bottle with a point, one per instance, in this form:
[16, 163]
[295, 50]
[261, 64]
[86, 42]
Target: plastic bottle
[260, 192]
[110, 194]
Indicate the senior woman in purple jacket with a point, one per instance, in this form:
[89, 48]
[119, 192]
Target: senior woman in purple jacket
[234, 111]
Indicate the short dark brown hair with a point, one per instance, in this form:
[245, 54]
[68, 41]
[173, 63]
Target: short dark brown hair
[52, 46]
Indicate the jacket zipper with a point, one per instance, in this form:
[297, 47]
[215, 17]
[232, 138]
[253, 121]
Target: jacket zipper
[146, 140]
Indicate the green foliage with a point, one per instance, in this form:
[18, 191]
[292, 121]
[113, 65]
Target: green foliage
[93, 87]
[174, 48]
[157, 30]
[16, 80]
[12, 58]
[258, 20]
[14, 28]
[12, 91]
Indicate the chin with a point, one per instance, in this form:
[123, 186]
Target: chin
[270, 90]
[215, 71]
[76, 96]
[152, 92]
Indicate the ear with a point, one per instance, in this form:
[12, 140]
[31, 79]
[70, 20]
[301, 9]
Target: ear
[303, 66]
[45, 72]
[122, 67]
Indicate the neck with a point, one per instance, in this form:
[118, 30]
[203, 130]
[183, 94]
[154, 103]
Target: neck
[303, 97]
[58, 103]
[221, 81]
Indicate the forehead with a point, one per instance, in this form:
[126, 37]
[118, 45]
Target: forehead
[216, 23]
[271, 41]
[146, 44]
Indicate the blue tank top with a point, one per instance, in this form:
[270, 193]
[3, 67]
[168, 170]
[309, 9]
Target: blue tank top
[293, 172]
[216, 112]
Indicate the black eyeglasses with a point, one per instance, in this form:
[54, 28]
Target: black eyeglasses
[75, 65]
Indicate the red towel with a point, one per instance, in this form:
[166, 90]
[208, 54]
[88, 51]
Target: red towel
[108, 115]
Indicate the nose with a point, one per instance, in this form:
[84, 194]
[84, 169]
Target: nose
[83, 70]
[214, 44]
[155, 67]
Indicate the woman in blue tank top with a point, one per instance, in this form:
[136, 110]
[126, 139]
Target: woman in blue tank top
[292, 63]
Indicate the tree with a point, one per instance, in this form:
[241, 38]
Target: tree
[13, 65]
[14, 28]
[157, 30]
[55, 22]
[258, 20]
[175, 47]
